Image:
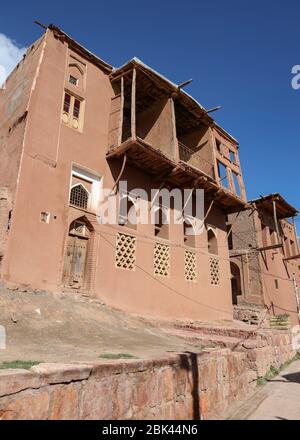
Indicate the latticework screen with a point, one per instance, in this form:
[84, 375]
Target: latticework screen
[190, 266]
[214, 271]
[161, 259]
[125, 251]
[79, 196]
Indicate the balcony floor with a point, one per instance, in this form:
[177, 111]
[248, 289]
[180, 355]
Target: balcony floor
[179, 174]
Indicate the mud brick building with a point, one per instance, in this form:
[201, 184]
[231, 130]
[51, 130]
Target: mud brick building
[70, 126]
[264, 254]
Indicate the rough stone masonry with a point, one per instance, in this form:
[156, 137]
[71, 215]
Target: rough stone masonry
[206, 385]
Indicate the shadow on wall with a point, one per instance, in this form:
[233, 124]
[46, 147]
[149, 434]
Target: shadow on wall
[189, 362]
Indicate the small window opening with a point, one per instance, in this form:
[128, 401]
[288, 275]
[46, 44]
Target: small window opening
[236, 184]
[232, 156]
[223, 174]
[45, 217]
[218, 145]
[276, 284]
[79, 196]
[73, 80]
[67, 103]
[76, 109]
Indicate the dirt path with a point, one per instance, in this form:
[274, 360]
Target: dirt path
[66, 327]
[278, 400]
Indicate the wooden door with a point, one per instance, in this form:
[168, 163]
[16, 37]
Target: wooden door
[75, 259]
[79, 259]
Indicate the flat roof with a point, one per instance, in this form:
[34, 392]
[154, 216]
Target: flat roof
[283, 208]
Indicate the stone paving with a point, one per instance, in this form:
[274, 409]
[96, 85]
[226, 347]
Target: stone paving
[278, 400]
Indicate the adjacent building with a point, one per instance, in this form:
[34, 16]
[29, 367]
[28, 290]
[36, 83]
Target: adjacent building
[265, 258]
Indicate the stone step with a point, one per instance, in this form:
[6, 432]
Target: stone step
[205, 339]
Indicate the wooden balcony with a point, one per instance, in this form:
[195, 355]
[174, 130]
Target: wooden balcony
[179, 174]
[195, 159]
[147, 129]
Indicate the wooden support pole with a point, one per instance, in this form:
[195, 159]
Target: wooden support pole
[133, 105]
[276, 223]
[113, 191]
[185, 205]
[121, 112]
[156, 194]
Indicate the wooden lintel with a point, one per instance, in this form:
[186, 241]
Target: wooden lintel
[294, 257]
[273, 246]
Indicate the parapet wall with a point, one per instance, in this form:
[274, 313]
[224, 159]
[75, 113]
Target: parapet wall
[206, 385]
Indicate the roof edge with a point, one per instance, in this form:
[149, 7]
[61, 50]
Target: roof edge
[78, 47]
[277, 198]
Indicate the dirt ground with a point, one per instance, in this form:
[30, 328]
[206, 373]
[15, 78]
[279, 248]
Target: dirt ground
[65, 327]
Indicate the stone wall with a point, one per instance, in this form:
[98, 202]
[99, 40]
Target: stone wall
[262, 347]
[207, 385]
[253, 315]
[183, 386]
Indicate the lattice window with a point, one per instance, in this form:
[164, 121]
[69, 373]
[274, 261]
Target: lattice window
[125, 251]
[190, 266]
[214, 271]
[161, 259]
[79, 196]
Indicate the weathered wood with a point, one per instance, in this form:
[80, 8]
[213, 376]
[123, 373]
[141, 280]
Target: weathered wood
[276, 222]
[121, 112]
[133, 105]
[273, 246]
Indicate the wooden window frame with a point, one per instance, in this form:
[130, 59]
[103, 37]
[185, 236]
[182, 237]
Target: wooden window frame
[73, 111]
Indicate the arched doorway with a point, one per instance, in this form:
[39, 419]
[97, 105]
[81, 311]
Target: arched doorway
[76, 254]
[212, 241]
[236, 287]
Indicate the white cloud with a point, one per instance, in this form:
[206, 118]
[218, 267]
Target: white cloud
[10, 55]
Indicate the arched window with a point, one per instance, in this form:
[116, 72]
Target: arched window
[212, 242]
[127, 213]
[188, 233]
[161, 227]
[76, 74]
[236, 285]
[79, 196]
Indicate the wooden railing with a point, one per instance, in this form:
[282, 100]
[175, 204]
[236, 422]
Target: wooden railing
[195, 159]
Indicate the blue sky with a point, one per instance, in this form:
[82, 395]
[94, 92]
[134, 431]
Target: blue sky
[239, 54]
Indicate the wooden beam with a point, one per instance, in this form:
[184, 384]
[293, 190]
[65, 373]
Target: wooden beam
[266, 248]
[276, 221]
[121, 112]
[133, 105]
[175, 140]
[113, 191]
[294, 257]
